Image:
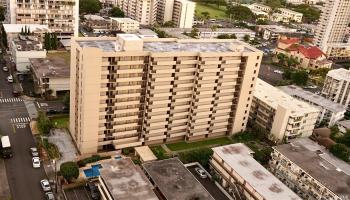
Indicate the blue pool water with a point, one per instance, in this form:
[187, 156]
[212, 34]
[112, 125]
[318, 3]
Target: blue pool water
[93, 171]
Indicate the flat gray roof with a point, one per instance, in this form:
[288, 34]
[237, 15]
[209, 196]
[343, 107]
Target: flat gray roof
[50, 67]
[315, 160]
[345, 123]
[315, 99]
[174, 180]
[238, 157]
[126, 181]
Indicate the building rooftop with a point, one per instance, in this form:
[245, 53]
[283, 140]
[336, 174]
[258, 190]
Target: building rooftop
[174, 180]
[238, 157]
[315, 99]
[17, 28]
[275, 97]
[146, 32]
[94, 17]
[166, 44]
[145, 153]
[50, 67]
[340, 74]
[278, 28]
[290, 11]
[27, 43]
[126, 181]
[123, 20]
[315, 160]
[345, 123]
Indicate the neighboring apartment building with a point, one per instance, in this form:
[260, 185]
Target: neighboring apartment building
[261, 7]
[239, 171]
[143, 11]
[24, 48]
[332, 29]
[309, 57]
[282, 116]
[286, 15]
[337, 86]
[61, 16]
[50, 74]
[311, 171]
[96, 23]
[330, 113]
[125, 25]
[128, 91]
[275, 32]
[181, 12]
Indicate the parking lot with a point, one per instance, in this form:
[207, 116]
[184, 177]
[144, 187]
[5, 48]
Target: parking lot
[208, 184]
[79, 193]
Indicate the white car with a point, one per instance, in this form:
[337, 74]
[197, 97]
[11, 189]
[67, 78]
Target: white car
[5, 69]
[34, 152]
[278, 71]
[45, 185]
[10, 79]
[36, 162]
[201, 172]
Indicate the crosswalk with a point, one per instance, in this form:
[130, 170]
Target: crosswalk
[20, 120]
[10, 100]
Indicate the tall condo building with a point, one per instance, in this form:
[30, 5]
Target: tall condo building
[143, 11]
[61, 16]
[337, 86]
[128, 91]
[331, 32]
[181, 12]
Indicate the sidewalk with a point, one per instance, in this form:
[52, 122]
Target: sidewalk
[50, 173]
[5, 193]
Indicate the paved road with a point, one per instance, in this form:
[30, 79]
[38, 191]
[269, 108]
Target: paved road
[23, 179]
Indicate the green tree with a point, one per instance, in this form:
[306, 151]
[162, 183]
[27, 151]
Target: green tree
[281, 58]
[345, 139]
[170, 24]
[240, 13]
[44, 124]
[334, 132]
[292, 62]
[194, 32]
[246, 38]
[69, 170]
[300, 77]
[287, 74]
[201, 155]
[4, 37]
[274, 3]
[310, 13]
[116, 12]
[89, 6]
[66, 100]
[2, 13]
[340, 151]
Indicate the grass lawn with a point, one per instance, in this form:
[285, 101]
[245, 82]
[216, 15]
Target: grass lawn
[214, 11]
[159, 152]
[205, 143]
[60, 122]
[64, 54]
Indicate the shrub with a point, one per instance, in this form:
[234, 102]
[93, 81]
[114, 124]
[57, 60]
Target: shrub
[92, 159]
[69, 170]
[44, 124]
[201, 155]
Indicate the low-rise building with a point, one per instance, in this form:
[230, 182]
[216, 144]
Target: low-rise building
[283, 116]
[286, 15]
[274, 32]
[146, 33]
[343, 126]
[126, 25]
[24, 48]
[173, 180]
[123, 180]
[50, 74]
[311, 171]
[96, 23]
[310, 57]
[239, 171]
[330, 113]
[337, 86]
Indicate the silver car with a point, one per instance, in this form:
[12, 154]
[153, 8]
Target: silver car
[45, 185]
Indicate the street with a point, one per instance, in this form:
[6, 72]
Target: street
[23, 179]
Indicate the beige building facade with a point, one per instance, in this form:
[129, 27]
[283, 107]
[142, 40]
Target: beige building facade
[143, 11]
[337, 86]
[61, 16]
[125, 25]
[331, 31]
[282, 116]
[128, 91]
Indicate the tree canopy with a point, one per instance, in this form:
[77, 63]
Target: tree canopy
[310, 14]
[69, 170]
[340, 151]
[275, 3]
[89, 6]
[2, 13]
[240, 13]
[116, 12]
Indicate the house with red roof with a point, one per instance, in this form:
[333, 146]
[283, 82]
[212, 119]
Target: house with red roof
[309, 57]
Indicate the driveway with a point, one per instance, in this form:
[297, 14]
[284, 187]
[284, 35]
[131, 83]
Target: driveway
[267, 74]
[78, 193]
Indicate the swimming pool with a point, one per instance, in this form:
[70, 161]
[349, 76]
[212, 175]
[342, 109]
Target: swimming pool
[93, 171]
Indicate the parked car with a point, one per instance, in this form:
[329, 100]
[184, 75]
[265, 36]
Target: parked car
[34, 152]
[278, 71]
[201, 172]
[49, 196]
[45, 185]
[92, 188]
[36, 162]
[52, 112]
[10, 79]
[5, 69]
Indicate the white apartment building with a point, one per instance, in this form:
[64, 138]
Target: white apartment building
[143, 11]
[181, 12]
[126, 25]
[274, 32]
[311, 171]
[337, 86]
[283, 116]
[61, 16]
[239, 171]
[330, 113]
[332, 29]
[311, 2]
[286, 15]
[128, 91]
[261, 7]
